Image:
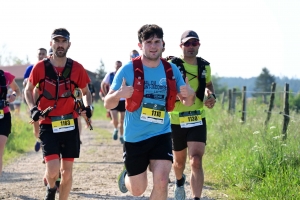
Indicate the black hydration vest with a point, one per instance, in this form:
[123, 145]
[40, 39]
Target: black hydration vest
[56, 85]
[201, 73]
[3, 87]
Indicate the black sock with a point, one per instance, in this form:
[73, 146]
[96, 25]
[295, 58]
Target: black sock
[52, 189]
[196, 198]
[180, 182]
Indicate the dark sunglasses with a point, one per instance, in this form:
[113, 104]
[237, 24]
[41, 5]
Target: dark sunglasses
[194, 44]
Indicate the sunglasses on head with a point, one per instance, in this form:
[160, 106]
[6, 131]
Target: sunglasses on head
[134, 55]
[194, 44]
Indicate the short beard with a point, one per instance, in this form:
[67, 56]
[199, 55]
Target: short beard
[62, 55]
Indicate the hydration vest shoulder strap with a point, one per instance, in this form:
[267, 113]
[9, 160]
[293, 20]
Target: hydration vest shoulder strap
[68, 68]
[134, 102]
[50, 72]
[171, 86]
[179, 63]
[168, 69]
[138, 69]
[201, 77]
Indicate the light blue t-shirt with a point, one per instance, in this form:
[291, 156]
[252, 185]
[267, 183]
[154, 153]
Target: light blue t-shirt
[155, 91]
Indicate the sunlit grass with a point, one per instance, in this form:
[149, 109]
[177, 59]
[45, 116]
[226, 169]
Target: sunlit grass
[99, 111]
[20, 140]
[249, 160]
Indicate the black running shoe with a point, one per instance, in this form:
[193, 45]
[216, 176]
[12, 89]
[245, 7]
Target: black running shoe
[50, 193]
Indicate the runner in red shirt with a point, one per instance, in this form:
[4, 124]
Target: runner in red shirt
[58, 77]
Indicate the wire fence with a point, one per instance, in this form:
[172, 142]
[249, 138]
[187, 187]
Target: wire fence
[232, 94]
[262, 92]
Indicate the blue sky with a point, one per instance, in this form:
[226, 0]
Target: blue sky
[238, 38]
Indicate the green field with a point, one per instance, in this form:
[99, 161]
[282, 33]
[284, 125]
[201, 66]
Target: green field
[250, 160]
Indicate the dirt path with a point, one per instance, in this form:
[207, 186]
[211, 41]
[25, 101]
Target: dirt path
[94, 176]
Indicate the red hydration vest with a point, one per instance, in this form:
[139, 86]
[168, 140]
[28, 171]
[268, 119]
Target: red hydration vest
[134, 102]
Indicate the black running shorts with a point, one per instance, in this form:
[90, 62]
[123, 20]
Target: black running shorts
[120, 107]
[180, 136]
[5, 124]
[137, 155]
[66, 144]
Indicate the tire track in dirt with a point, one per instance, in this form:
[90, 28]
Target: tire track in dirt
[94, 175]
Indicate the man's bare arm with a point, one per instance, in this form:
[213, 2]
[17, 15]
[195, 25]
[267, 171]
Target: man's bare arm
[87, 96]
[28, 94]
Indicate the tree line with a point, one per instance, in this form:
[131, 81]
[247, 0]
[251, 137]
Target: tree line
[260, 87]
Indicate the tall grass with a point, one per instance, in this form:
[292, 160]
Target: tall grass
[20, 140]
[250, 160]
[99, 111]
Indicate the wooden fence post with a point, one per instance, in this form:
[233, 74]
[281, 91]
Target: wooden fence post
[244, 105]
[229, 100]
[286, 112]
[233, 100]
[271, 104]
[223, 99]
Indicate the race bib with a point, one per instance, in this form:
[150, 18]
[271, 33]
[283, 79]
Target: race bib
[153, 113]
[63, 123]
[1, 113]
[190, 119]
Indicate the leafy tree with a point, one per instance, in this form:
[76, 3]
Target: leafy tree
[7, 59]
[5, 56]
[295, 102]
[17, 61]
[263, 84]
[219, 89]
[100, 71]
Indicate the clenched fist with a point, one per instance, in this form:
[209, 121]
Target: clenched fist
[211, 100]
